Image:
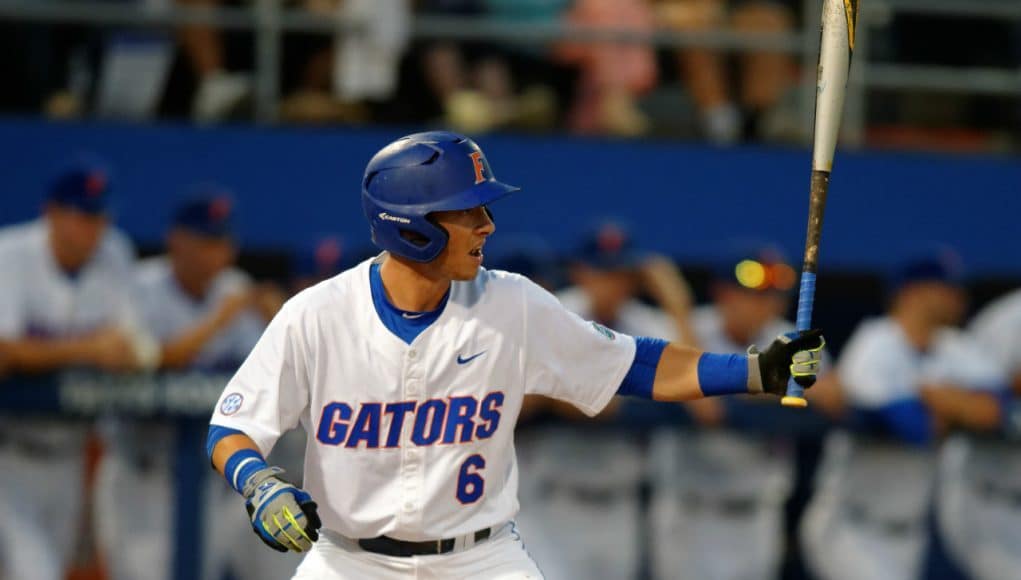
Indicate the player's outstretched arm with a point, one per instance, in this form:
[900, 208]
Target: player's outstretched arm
[685, 374]
[282, 515]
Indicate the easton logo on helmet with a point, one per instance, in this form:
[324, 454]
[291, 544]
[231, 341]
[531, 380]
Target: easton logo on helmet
[392, 218]
[477, 164]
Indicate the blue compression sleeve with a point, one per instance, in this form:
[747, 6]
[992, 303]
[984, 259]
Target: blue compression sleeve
[241, 466]
[642, 374]
[216, 433]
[722, 374]
[907, 420]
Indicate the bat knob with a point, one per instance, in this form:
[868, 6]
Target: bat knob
[794, 402]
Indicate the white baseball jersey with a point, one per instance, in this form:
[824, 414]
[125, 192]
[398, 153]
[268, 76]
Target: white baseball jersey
[879, 367]
[698, 473]
[39, 300]
[134, 486]
[978, 511]
[41, 494]
[168, 311]
[580, 480]
[997, 329]
[416, 441]
[720, 463]
[885, 484]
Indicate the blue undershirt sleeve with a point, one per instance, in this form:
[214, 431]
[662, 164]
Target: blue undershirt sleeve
[640, 377]
[908, 420]
[216, 433]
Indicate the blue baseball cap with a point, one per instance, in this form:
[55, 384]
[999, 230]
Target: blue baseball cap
[209, 212]
[83, 185]
[609, 246]
[325, 258]
[756, 266]
[940, 264]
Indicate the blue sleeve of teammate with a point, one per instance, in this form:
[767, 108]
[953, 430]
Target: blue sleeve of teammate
[907, 420]
[642, 374]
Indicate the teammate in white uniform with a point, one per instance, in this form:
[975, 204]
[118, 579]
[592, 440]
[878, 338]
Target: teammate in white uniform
[908, 377]
[205, 314]
[979, 510]
[64, 303]
[714, 487]
[580, 484]
[410, 370]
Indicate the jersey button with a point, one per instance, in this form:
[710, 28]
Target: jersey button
[412, 353]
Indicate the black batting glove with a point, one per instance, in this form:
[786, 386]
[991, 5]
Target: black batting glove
[794, 354]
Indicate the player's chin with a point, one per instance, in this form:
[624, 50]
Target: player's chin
[467, 271]
[466, 274]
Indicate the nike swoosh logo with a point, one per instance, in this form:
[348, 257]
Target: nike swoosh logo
[464, 361]
[410, 316]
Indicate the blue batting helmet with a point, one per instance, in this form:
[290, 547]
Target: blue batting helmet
[420, 174]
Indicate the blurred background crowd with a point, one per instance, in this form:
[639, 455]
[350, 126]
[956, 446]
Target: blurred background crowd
[932, 75]
[150, 226]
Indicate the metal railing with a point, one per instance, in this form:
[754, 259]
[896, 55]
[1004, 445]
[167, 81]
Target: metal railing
[267, 19]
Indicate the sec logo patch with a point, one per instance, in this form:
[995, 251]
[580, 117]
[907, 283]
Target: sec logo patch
[231, 403]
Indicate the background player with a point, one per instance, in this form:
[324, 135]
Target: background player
[411, 369]
[908, 378]
[581, 480]
[64, 303]
[207, 316]
[715, 482]
[980, 486]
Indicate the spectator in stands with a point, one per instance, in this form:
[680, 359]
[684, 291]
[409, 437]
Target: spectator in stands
[581, 480]
[65, 302]
[471, 82]
[219, 89]
[909, 378]
[207, 316]
[979, 509]
[727, 112]
[612, 75]
[344, 77]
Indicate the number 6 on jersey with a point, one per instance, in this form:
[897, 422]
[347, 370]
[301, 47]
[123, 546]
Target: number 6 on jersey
[470, 485]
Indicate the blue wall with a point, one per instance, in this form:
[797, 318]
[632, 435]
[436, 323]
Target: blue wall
[293, 184]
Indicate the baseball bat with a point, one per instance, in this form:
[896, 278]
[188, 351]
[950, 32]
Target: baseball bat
[835, 50]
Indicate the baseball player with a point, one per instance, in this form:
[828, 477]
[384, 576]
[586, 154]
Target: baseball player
[408, 372]
[716, 483]
[205, 314]
[979, 509]
[581, 479]
[64, 303]
[908, 378]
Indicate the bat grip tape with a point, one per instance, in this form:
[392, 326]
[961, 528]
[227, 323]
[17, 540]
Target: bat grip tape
[806, 298]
